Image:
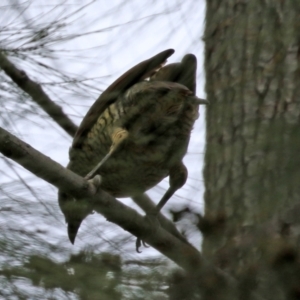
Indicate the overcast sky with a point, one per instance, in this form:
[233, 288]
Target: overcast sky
[126, 32]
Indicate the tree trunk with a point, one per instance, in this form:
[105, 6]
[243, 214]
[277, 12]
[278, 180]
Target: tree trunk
[252, 161]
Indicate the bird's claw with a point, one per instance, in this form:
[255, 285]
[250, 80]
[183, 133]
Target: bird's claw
[139, 242]
[95, 183]
[151, 216]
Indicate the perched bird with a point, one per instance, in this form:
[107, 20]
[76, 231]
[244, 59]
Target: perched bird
[136, 133]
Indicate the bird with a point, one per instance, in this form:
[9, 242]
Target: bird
[136, 134]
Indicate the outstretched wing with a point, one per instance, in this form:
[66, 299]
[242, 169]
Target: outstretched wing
[183, 72]
[74, 211]
[137, 73]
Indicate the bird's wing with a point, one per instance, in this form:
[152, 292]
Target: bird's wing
[183, 72]
[137, 73]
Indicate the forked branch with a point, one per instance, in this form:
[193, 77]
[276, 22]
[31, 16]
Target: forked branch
[182, 253]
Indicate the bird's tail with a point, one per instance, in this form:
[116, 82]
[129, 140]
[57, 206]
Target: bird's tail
[73, 227]
[75, 211]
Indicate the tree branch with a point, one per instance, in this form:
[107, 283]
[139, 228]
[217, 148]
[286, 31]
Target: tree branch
[182, 253]
[54, 111]
[146, 204]
[37, 94]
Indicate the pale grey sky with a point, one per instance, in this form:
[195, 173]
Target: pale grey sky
[107, 53]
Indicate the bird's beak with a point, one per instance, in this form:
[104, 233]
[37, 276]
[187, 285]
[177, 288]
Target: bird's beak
[200, 101]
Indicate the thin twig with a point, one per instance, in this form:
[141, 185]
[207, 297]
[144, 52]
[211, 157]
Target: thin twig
[182, 253]
[38, 95]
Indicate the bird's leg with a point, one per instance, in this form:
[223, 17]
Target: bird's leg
[177, 178]
[94, 184]
[118, 136]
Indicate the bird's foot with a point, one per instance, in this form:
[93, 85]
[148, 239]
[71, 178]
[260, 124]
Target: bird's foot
[94, 184]
[151, 217]
[138, 245]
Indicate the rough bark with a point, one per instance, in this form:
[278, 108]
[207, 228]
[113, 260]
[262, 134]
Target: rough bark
[252, 161]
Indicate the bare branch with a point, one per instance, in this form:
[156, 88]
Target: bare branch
[36, 92]
[38, 95]
[182, 253]
[146, 204]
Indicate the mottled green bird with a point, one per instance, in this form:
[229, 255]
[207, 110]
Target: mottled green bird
[136, 133]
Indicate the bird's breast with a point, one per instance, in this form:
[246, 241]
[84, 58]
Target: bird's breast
[158, 120]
